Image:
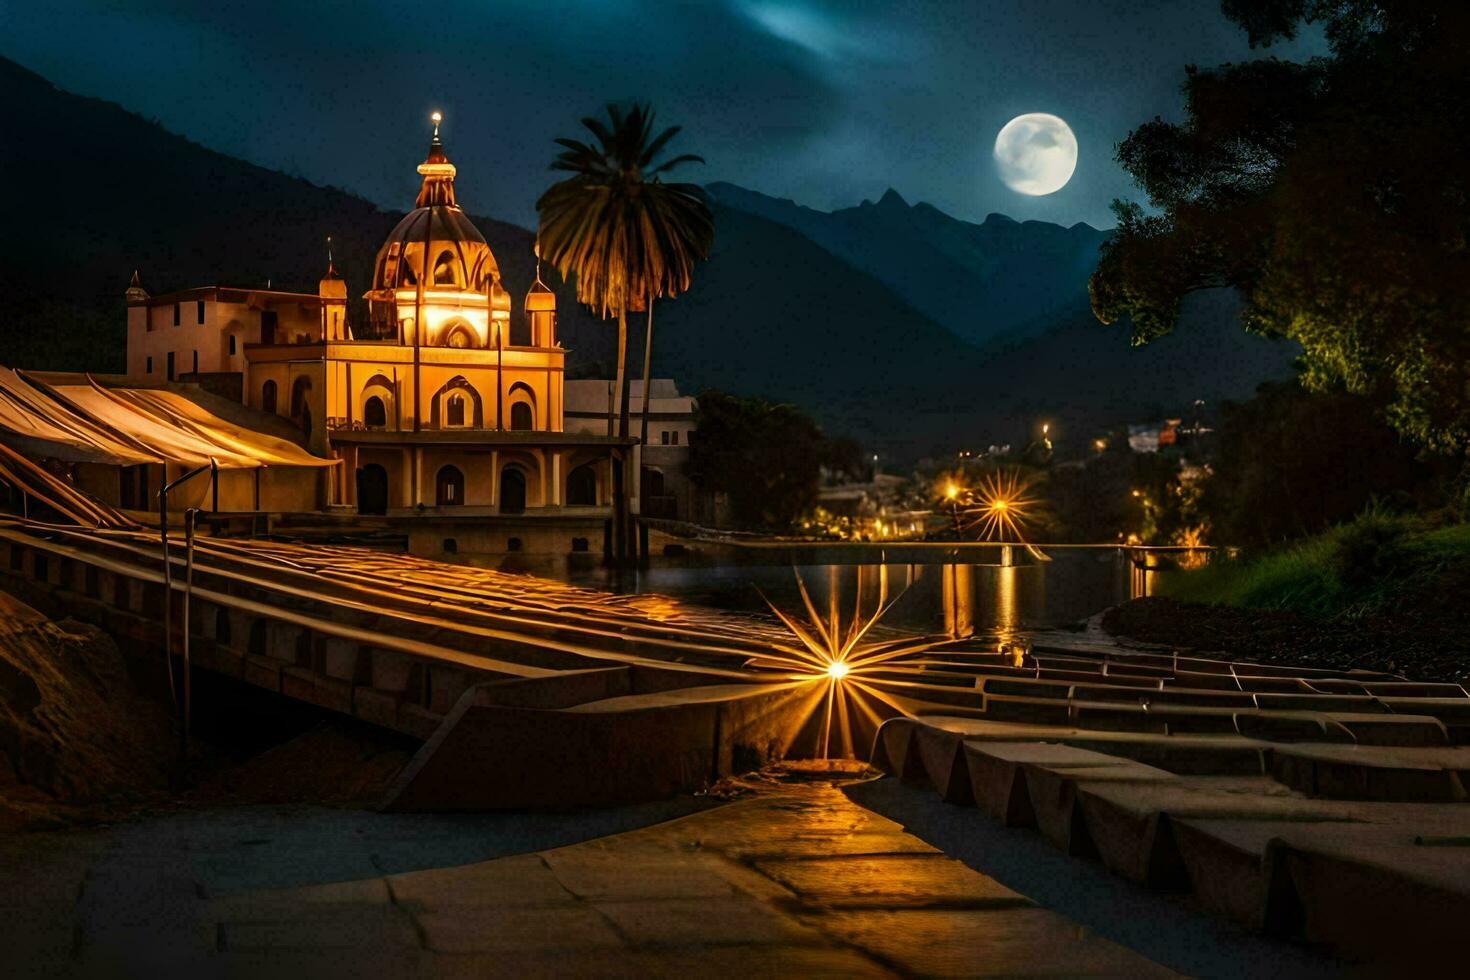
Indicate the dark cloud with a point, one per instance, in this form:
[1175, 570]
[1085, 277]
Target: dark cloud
[826, 101]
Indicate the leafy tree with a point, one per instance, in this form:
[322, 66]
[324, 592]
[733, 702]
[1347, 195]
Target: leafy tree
[1290, 462]
[766, 457]
[625, 235]
[845, 461]
[1332, 194]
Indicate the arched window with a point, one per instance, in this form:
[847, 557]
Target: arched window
[450, 487]
[512, 491]
[446, 270]
[454, 411]
[521, 417]
[374, 413]
[268, 397]
[582, 486]
[458, 338]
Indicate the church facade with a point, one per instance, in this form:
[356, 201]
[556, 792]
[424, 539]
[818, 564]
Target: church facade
[436, 407]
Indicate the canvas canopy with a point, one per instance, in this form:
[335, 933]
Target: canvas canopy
[37, 426]
[87, 422]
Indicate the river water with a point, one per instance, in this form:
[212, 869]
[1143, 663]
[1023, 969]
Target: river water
[959, 591]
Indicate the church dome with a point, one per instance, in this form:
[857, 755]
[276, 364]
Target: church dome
[437, 247]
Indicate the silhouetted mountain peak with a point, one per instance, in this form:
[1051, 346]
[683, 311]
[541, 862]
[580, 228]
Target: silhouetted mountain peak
[892, 199]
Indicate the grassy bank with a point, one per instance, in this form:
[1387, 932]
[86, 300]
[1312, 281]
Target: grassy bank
[1381, 592]
[1371, 565]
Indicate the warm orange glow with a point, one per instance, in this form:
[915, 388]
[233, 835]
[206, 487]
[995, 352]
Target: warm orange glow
[1002, 507]
[951, 491]
[1192, 538]
[835, 654]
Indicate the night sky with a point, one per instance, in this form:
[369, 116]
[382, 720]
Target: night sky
[824, 101]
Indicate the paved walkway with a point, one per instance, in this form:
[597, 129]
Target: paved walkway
[796, 879]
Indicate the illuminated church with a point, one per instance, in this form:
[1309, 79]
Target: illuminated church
[437, 407]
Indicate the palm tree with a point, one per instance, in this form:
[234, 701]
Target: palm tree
[624, 235]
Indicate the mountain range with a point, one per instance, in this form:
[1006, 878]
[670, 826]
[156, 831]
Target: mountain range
[908, 329]
[1000, 281]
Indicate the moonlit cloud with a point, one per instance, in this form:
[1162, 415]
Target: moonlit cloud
[810, 30]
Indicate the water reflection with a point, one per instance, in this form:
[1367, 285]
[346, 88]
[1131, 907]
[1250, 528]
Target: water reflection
[1007, 610]
[998, 594]
[959, 601]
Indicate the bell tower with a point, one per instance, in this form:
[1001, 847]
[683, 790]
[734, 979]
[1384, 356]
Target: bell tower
[333, 293]
[541, 309]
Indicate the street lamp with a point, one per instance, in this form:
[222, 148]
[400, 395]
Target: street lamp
[952, 493]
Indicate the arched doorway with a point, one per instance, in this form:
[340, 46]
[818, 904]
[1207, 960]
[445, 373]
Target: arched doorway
[374, 414]
[300, 388]
[653, 482]
[582, 486]
[301, 404]
[449, 487]
[512, 491]
[372, 489]
[653, 499]
[268, 397]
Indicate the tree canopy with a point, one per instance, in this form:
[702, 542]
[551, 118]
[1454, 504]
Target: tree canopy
[766, 457]
[614, 225]
[1334, 195]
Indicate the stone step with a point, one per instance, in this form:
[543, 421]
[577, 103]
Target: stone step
[1129, 824]
[998, 782]
[1362, 772]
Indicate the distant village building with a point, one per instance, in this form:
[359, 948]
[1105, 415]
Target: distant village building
[1152, 437]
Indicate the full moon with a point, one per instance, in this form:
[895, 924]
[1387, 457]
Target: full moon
[1036, 154]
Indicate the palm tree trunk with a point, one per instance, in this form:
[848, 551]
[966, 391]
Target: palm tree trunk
[620, 484]
[647, 364]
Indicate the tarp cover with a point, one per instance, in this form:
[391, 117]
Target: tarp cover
[86, 422]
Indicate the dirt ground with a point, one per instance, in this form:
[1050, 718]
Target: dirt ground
[83, 741]
[1422, 647]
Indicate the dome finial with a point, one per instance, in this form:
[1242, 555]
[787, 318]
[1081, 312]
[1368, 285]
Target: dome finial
[331, 268]
[437, 171]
